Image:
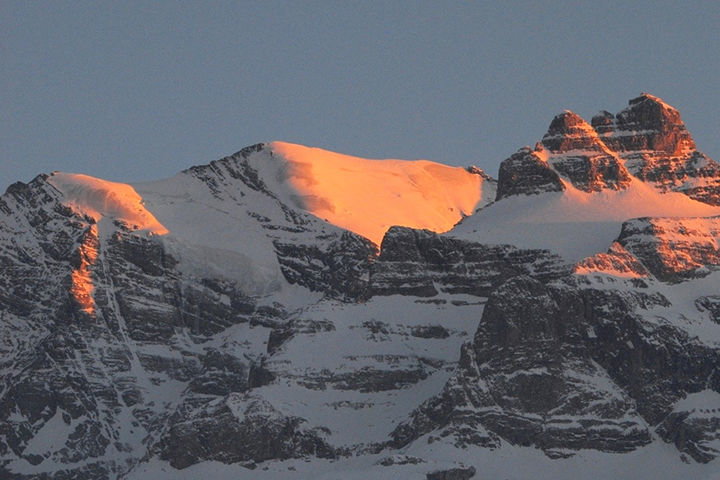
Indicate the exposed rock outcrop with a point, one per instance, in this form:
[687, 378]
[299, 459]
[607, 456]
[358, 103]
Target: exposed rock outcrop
[457, 473]
[528, 378]
[647, 140]
[423, 263]
[648, 123]
[694, 425]
[239, 428]
[673, 248]
[290, 338]
[526, 173]
[652, 139]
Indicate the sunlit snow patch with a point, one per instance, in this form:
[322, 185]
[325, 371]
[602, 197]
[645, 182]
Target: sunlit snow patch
[100, 199]
[573, 223]
[369, 196]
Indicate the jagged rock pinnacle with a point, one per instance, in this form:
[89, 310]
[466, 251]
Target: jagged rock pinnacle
[648, 123]
[648, 139]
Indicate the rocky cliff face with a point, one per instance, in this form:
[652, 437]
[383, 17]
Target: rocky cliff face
[674, 248]
[235, 332]
[694, 425]
[106, 332]
[577, 153]
[106, 326]
[526, 378]
[423, 263]
[526, 173]
[647, 140]
[566, 367]
[652, 139]
[647, 124]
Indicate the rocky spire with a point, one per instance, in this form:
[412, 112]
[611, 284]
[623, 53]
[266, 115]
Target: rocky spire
[568, 131]
[652, 141]
[603, 122]
[648, 123]
[648, 140]
[571, 149]
[577, 153]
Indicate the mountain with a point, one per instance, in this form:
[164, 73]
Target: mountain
[289, 312]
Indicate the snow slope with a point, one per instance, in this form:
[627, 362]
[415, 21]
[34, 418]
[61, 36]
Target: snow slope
[100, 199]
[573, 223]
[213, 235]
[369, 196]
[215, 231]
[656, 461]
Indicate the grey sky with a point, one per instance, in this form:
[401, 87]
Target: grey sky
[140, 90]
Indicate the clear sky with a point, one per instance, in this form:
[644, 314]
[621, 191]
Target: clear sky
[129, 90]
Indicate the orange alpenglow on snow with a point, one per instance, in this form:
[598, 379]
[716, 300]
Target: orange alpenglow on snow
[369, 196]
[99, 198]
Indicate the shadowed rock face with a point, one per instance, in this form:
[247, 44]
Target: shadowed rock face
[339, 267]
[527, 373]
[458, 473]
[525, 173]
[423, 263]
[695, 429]
[603, 122]
[711, 305]
[239, 428]
[543, 355]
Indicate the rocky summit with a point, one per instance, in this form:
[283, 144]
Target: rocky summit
[288, 312]
[647, 140]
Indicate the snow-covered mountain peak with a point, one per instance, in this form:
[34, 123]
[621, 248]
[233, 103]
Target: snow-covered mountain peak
[100, 199]
[368, 196]
[364, 196]
[235, 320]
[572, 193]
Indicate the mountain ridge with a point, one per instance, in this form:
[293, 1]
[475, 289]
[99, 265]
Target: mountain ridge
[223, 322]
